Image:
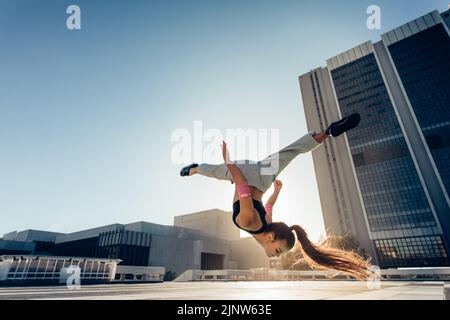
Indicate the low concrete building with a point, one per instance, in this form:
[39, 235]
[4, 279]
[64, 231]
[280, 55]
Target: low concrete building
[206, 240]
[214, 222]
[32, 235]
[139, 274]
[249, 254]
[16, 247]
[28, 242]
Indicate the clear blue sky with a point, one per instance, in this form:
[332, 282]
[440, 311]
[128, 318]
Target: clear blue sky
[86, 116]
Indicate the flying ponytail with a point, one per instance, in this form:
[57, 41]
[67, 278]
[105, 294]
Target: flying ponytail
[321, 256]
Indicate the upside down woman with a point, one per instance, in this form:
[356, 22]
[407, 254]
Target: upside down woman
[253, 179]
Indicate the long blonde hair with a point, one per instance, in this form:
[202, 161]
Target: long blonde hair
[319, 256]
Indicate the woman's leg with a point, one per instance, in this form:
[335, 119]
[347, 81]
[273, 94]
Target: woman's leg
[250, 170]
[277, 162]
[261, 174]
[217, 171]
[265, 172]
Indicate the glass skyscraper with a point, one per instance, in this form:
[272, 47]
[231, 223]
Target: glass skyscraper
[423, 64]
[387, 182]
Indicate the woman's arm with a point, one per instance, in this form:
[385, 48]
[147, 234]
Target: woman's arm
[236, 173]
[273, 198]
[247, 211]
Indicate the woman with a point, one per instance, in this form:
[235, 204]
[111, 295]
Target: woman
[253, 179]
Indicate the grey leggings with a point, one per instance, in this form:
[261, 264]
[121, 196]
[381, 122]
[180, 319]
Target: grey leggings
[263, 173]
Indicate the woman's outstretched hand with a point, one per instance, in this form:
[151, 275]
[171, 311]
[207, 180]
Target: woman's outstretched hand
[277, 185]
[225, 153]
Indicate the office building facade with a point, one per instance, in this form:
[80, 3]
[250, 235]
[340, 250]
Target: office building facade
[387, 181]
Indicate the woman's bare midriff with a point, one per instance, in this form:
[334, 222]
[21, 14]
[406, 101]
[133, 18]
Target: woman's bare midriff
[257, 195]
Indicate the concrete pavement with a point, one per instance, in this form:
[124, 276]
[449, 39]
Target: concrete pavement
[255, 290]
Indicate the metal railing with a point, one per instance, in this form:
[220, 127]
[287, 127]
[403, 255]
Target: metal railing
[264, 274]
[32, 268]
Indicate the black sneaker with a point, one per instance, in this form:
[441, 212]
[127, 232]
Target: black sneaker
[347, 123]
[185, 171]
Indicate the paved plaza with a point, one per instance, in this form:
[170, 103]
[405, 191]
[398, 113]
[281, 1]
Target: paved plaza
[274, 290]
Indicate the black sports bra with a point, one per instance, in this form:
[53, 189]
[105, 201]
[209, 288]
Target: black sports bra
[258, 205]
